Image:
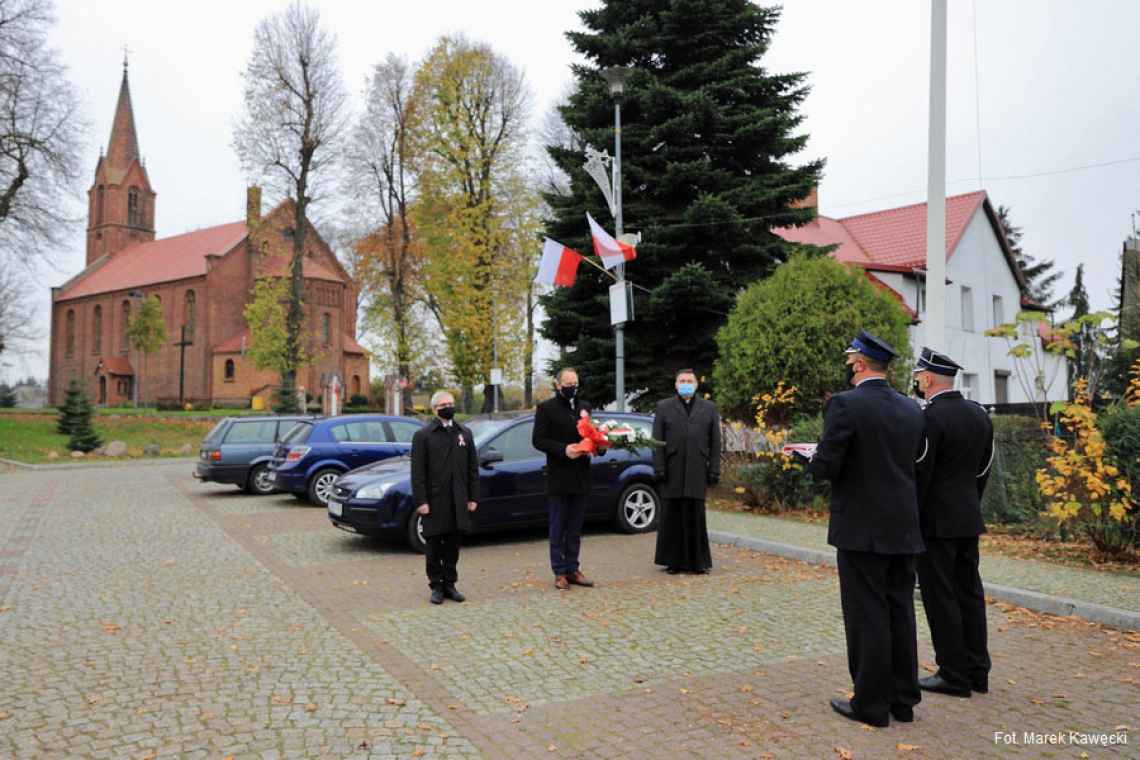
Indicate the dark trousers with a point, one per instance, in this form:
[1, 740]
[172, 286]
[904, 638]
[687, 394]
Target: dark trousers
[442, 557]
[955, 609]
[566, 515]
[877, 592]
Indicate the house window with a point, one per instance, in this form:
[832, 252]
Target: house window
[229, 370]
[133, 218]
[970, 385]
[326, 328]
[967, 309]
[1001, 387]
[920, 299]
[188, 314]
[69, 340]
[97, 330]
[124, 343]
[999, 311]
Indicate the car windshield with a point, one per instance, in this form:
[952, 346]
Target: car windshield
[482, 430]
[299, 433]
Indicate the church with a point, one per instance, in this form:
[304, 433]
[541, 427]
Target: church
[203, 279]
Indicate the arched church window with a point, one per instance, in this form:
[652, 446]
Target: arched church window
[69, 340]
[229, 370]
[133, 217]
[97, 330]
[326, 328]
[123, 341]
[188, 315]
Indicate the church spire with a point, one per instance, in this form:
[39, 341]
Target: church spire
[123, 147]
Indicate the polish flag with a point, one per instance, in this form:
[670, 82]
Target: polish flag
[612, 252]
[559, 265]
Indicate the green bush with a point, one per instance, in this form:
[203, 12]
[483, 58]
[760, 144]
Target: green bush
[794, 326]
[357, 399]
[1121, 428]
[1011, 495]
[806, 429]
[768, 486]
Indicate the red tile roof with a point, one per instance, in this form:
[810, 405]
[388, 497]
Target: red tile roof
[116, 365]
[172, 258]
[351, 346]
[234, 345]
[893, 239]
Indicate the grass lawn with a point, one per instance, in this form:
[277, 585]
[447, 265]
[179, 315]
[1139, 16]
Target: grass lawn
[32, 438]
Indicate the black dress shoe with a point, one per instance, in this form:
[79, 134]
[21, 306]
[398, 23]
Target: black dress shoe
[672, 570]
[902, 714]
[938, 686]
[980, 688]
[437, 596]
[452, 593]
[843, 707]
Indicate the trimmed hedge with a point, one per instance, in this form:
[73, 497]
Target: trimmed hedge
[1011, 495]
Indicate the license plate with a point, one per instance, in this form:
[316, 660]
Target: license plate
[335, 508]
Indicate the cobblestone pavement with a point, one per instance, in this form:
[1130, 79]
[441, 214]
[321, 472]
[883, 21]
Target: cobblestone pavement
[143, 615]
[1109, 589]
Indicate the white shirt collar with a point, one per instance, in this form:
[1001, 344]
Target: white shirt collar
[869, 379]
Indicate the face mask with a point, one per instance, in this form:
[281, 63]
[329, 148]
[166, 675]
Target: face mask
[918, 390]
[686, 389]
[569, 392]
[445, 412]
[850, 373]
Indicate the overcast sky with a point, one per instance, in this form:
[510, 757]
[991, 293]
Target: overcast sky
[1053, 87]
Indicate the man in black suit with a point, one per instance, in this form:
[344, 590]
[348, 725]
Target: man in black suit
[445, 485]
[872, 436]
[689, 461]
[951, 480]
[568, 477]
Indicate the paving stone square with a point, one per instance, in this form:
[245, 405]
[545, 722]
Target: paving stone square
[145, 615]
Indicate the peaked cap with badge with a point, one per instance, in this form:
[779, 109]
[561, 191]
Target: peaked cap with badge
[930, 360]
[874, 348]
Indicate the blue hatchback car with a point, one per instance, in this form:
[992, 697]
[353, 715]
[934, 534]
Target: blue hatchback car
[377, 500]
[310, 458]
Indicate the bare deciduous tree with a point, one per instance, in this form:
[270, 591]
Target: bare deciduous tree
[40, 128]
[381, 181]
[17, 331]
[289, 133]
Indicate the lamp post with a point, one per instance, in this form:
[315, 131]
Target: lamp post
[616, 77]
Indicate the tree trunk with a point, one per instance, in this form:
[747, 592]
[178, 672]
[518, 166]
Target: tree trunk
[528, 350]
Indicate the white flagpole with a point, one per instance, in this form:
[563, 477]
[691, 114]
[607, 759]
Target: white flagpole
[936, 183]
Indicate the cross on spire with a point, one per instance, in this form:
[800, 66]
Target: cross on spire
[126, 52]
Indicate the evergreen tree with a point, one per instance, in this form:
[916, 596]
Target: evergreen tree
[1082, 361]
[707, 141]
[1040, 277]
[83, 435]
[69, 412]
[7, 396]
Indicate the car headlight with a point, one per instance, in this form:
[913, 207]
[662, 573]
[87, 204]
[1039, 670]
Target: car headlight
[374, 491]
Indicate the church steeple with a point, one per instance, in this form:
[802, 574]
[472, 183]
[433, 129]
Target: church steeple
[124, 145]
[120, 201]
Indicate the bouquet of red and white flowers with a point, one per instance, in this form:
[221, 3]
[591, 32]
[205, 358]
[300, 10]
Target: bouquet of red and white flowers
[611, 434]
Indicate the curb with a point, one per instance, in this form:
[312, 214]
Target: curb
[96, 465]
[1062, 606]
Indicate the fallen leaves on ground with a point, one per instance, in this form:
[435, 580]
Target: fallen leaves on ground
[311, 707]
[552, 747]
[844, 753]
[278, 699]
[907, 747]
[396, 701]
[112, 627]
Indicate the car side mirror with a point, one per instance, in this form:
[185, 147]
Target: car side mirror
[490, 456]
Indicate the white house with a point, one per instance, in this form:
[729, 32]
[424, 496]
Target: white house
[984, 287]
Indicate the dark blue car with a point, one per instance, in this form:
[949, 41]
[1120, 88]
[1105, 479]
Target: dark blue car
[315, 453]
[377, 500]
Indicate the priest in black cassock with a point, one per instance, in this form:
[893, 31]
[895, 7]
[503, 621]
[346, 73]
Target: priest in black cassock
[685, 466]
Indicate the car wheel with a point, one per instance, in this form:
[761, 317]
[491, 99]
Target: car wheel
[258, 482]
[416, 533]
[637, 508]
[321, 486]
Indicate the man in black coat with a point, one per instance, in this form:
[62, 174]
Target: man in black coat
[689, 461]
[951, 480]
[872, 436]
[445, 485]
[568, 476]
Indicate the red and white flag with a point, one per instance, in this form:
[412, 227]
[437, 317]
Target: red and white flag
[612, 252]
[559, 265]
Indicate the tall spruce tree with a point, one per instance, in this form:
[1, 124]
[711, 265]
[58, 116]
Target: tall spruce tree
[1080, 364]
[68, 413]
[708, 137]
[1040, 276]
[83, 436]
[7, 396]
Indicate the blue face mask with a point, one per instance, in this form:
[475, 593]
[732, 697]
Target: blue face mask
[687, 389]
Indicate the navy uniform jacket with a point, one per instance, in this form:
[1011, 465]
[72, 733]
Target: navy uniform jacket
[872, 436]
[953, 474]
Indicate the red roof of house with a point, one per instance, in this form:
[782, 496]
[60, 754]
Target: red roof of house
[234, 345]
[172, 258]
[351, 346]
[116, 365]
[894, 239]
